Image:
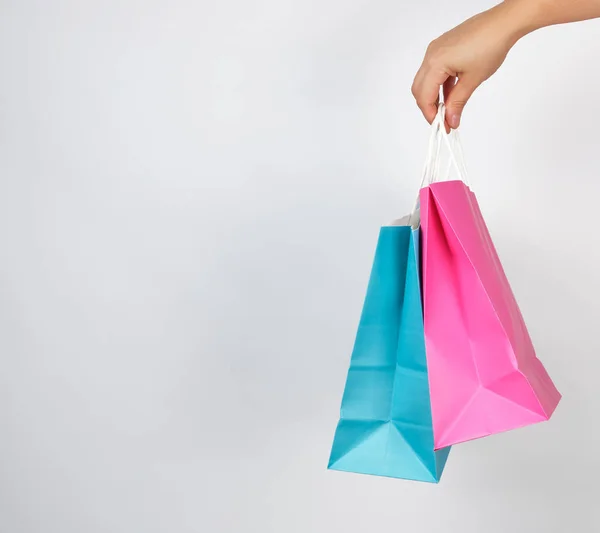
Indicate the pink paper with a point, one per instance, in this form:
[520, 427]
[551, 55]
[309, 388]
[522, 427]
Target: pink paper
[483, 372]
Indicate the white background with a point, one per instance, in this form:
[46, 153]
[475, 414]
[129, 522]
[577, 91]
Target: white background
[190, 196]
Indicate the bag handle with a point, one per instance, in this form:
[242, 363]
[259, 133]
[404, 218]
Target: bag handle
[431, 169]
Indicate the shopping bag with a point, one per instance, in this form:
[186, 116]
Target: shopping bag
[385, 426]
[483, 371]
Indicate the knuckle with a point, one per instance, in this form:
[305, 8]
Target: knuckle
[433, 50]
[421, 103]
[438, 59]
[433, 61]
[432, 46]
[458, 104]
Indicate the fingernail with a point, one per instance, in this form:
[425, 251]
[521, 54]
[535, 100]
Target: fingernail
[454, 121]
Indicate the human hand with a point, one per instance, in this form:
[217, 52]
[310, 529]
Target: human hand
[463, 58]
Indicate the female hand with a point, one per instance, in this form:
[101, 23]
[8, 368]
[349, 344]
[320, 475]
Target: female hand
[471, 52]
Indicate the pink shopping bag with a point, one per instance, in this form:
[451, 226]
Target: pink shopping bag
[484, 375]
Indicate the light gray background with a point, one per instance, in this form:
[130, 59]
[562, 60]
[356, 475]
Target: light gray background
[190, 197]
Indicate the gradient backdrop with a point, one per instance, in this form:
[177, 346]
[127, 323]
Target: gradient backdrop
[190, 197]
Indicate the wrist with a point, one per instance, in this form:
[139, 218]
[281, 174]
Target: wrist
[521, 17]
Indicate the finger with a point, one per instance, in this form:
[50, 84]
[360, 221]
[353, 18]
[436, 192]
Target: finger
[417, 91]
[426, 91]
[448, 85]
[457, 99]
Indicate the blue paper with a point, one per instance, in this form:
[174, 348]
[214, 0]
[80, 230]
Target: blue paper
[385, 426]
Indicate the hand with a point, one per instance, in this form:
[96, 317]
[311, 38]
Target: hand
[469, 53]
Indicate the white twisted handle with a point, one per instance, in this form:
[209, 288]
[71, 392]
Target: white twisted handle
[431, 169]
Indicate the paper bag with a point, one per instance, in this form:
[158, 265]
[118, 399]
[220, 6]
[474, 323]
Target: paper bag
[385, 426]
[484, 375]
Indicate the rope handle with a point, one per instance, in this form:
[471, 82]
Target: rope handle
[431, 169]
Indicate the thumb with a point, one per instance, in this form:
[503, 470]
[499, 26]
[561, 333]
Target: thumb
[457, 100]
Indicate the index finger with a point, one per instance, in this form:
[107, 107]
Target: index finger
[426, 90]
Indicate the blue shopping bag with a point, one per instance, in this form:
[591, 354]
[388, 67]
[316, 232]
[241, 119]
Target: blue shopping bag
[385, 427]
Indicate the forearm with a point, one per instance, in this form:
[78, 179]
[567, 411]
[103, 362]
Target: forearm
[525, 16]
[464, 57]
